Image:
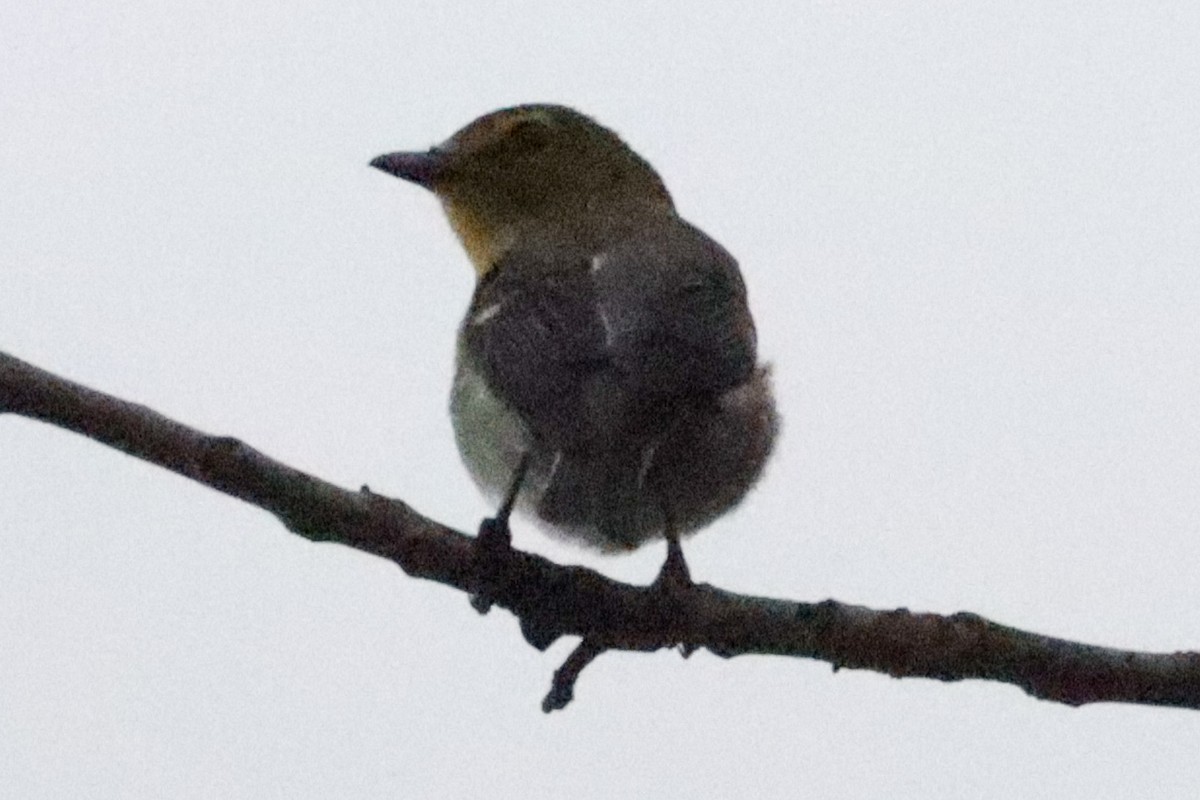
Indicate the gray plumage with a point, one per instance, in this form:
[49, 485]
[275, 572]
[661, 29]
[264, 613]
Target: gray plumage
[627, 373]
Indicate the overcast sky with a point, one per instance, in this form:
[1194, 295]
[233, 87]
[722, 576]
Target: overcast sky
[970, 234]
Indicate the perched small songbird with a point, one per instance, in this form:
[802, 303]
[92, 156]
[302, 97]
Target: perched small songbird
[607, 377]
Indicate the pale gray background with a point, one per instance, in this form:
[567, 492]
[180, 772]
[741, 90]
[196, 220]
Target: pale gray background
[970, 235]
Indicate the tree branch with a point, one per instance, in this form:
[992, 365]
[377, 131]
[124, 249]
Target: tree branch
[552, 600]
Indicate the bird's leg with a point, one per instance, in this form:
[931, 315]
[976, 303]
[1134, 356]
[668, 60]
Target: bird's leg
[494, 540]
[674, 574]
[493, 531]
[673, 585]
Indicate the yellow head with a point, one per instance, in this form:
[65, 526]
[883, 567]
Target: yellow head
[544, 172]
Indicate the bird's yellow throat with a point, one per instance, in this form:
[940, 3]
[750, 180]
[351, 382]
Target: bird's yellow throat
[483, 243]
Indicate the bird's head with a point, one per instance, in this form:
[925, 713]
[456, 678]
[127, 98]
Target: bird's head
[542, 171]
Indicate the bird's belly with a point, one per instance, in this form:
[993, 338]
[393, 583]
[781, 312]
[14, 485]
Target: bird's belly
[622, 495]
[491, 437]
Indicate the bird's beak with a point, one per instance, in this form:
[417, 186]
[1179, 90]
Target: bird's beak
[420, 168]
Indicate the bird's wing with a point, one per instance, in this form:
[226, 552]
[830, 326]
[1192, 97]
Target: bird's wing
[586, 344]
[534, 334]
[674, 309]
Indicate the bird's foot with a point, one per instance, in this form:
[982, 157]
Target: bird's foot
[494, 535]
[674, 577]
[493, 543]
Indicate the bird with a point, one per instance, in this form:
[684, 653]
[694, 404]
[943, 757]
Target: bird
[607, 380]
